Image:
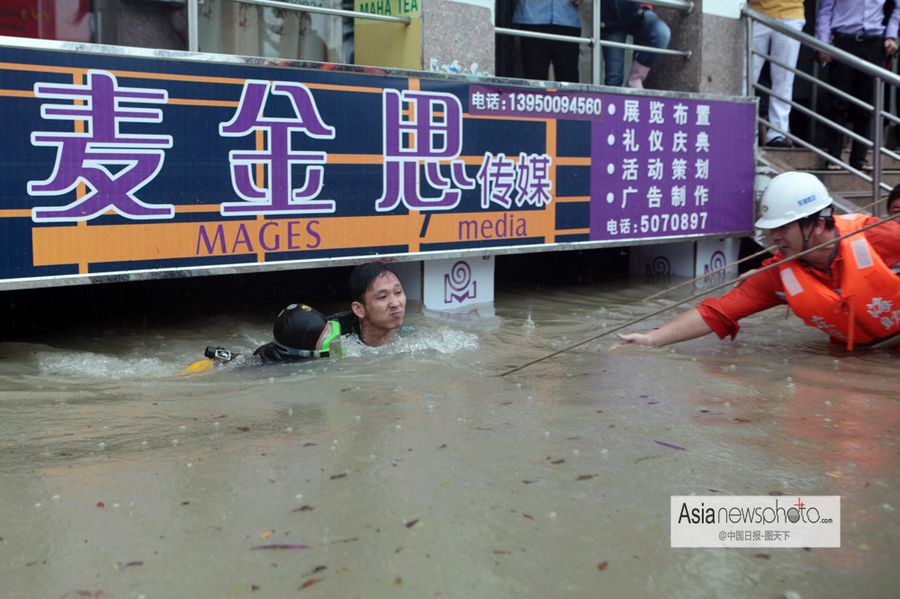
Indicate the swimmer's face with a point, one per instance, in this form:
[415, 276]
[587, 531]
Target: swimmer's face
[326, 332]
[384, 303]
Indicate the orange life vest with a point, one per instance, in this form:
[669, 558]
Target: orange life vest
[867, 306]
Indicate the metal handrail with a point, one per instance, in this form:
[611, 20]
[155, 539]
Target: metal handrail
[880, 76]
[595, 42]
[335, 12]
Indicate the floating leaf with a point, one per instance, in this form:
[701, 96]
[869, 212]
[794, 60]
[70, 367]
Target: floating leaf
[602, 566]
[309, 582]
[529, 516]
[303, 508]
[280, 546]
[101, 505]
[244, 429]
[266, 534]
[762, 556]
[412, 523]
[398, 581]
[337, 476]
[585, 476]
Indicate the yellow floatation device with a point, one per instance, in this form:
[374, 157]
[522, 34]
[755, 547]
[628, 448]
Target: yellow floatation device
[212, 356]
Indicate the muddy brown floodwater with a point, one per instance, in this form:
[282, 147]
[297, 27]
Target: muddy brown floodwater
[414, 471]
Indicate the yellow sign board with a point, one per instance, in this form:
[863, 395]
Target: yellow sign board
[388, 44]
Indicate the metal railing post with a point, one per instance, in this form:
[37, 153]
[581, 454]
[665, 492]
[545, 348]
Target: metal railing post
[877, 142]
[193, 17]
[595, 46]
[748, 63]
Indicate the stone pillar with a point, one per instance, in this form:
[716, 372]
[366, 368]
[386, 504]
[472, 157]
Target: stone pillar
[458, 36]
[716, 36]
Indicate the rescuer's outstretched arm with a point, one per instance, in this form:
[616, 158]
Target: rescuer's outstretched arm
[683, 327]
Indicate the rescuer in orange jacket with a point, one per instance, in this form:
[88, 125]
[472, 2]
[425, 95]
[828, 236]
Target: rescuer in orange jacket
[850, 290]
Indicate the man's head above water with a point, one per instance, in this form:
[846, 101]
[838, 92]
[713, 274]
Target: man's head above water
[377, 301]
[302, 332]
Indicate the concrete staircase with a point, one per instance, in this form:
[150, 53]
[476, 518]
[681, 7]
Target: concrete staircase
[849, 191]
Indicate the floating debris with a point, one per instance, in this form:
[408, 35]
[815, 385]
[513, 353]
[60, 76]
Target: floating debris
[288, 546]
[309, 582]
[303, 508]
[602, 566]
[585, 476]
[669, 445]
[412, 523]
[316, 570]
[337, 476]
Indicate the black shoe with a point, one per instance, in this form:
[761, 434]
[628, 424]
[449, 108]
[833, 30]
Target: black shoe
[862, 166]
[779, 142]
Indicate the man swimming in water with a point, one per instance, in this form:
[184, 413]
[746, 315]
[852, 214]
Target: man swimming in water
[378, 305]
[300, 333]
[376, 315]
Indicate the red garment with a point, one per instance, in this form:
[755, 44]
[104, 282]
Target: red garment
[757, 293]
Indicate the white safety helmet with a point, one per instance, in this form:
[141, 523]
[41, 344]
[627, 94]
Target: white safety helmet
[791, 196]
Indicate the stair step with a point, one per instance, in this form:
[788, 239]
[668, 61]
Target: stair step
[803, 159]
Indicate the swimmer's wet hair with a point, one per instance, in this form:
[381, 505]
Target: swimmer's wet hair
[363, 276]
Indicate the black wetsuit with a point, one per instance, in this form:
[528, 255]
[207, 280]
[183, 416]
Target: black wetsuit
[271, 354]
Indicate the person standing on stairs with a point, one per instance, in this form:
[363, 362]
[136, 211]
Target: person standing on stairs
[622, 18]
[857, 27]
[782, 49]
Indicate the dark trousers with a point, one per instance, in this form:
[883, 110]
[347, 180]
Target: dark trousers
[538, 54]
[858, 85]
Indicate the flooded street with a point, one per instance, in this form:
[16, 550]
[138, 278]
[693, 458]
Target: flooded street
[415, 471]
